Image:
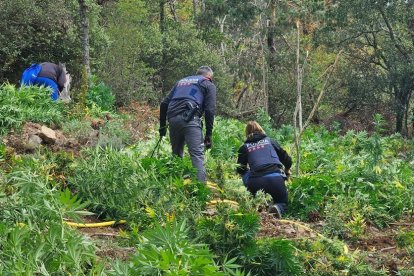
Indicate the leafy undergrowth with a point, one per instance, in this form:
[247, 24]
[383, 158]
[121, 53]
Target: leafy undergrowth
[27, 104]
[351, 188]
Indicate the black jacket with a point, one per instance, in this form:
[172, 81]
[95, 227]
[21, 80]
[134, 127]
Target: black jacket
[170, 108]
[242, 159]
[54, 72]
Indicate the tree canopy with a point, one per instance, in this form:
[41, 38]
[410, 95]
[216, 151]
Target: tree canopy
[140, 48]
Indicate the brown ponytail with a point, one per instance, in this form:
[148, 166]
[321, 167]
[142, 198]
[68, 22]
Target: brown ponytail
[253, 127]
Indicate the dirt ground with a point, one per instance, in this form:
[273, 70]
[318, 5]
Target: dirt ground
[18, 139]
[270, 226]
[143, 118]
[382, 248]
[379, 245]
[140, 120]
[107, 240]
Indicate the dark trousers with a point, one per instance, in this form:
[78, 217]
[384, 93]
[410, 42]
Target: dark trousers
[273, 184]
[190, 133]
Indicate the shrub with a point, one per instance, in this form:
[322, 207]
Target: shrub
[80, 130]
[353, 166]
[113, 134]
[229, 231]
[273, 257]
[33, 238]
[169, 250]
[100, 95]
[122, 185]
[29, 103]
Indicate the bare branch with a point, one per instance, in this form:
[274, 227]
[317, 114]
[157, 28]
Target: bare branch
[399, 47]
[315, 107]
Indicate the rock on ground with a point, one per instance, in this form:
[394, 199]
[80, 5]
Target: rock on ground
[33, 142]
[48, 135]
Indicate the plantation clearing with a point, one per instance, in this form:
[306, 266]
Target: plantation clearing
[350, 209]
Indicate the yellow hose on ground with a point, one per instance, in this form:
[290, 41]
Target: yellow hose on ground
[92, 225]
[216, 201]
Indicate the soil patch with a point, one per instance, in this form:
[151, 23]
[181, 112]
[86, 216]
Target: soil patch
[378, 245]
[382, 249]
[19, 140]
[142, 119]
[106, 239]
[270, 226]
[119, 253]
[107, 231]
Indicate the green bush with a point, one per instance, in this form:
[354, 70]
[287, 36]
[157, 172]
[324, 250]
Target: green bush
[232, 234]
[169, 250]
[33, 237]
[355, 166]
[229, 231]
[100, 95]
[29, 103]
[273, 257]
[113, 134]
[123, 185]
[331, 257]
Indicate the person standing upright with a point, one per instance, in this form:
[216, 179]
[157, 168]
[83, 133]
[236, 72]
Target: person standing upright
[183, 107]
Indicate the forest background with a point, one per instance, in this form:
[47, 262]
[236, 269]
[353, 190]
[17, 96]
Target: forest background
[140, 48]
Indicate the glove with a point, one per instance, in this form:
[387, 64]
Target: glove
[207, 142]
[163, 131]
[288, 173]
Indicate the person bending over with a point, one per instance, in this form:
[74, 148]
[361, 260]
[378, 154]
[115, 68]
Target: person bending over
[46, 74]
[184, 106]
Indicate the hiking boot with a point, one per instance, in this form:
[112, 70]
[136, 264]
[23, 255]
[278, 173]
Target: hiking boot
[275, 210]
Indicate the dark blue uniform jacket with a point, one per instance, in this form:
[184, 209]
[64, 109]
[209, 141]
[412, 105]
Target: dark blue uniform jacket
[176, 101]
[263, 155]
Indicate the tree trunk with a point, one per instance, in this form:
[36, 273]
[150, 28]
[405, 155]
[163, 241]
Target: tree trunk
[221, 23]
[264, 82]
[299, 78]
[271, 44]
[84, 25]
[407, 108]
[195, 8]
[399, 115]
[271, 33]
[173, 10]
[162, 16]
[164, 54]
[399, 108]
[402, 95]
[297, 117]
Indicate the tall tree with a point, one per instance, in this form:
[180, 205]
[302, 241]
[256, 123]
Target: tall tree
[195, 8]
[84, 31]
[378, 33]
[33, 31]
[163, 27]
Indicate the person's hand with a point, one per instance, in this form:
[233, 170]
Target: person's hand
[288, 172]
[207, 142]
[163, 131]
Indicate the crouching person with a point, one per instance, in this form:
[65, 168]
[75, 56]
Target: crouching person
[260, 163]
[46, 74]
